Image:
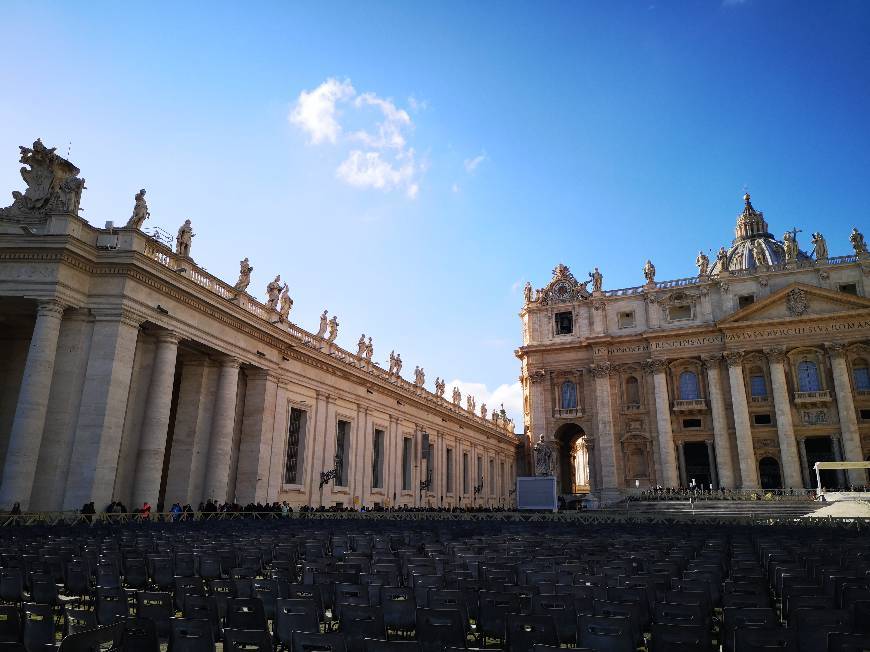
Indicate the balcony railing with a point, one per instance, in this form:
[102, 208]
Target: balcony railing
[690, 405]
[567, 413]
[862, 393]
[823, 396]
[759, 399]
[632, 407]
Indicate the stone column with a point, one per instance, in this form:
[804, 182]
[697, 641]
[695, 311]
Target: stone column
[190, 397]
[537, 407]
[837, 450]
[681, 452]
[217, 476]
[25, 437]
[280, 435]
[802, 449]
[792, 478]
[93, 465]
[606, 440]
[711, 456]
[722, 443]
[745, 449]
[255, 444]
[663, 421]
[155, 422]
[846, 409]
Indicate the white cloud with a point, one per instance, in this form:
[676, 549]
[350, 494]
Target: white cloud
[455, 187]
[471, 164]
[510, 395]
[378, 155]
[417, 105]
[315, 111]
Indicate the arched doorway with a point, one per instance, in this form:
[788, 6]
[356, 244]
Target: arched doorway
[573, 467]
[768, 473]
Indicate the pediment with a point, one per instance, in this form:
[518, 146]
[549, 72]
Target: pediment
[798, 301]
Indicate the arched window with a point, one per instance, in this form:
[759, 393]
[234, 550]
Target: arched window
[808, 376]
[689, 389]
[569, 395]
[861, 374]
[632, 391]
[757, 383]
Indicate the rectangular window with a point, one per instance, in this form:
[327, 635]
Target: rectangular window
[378, 459]
[295, 446]
[492, 477]
[342, 442]
[745, 300]
[564, 323]
[465, 473]
[849, 288]
[757, 386]
[691, 423]
[761, 419]
[676, 313]
[625, 319]
[450, 470]
[865, 415]
[406, 463]
[862, 378]
[479, 476]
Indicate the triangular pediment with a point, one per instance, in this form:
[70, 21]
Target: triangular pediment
[798, 301]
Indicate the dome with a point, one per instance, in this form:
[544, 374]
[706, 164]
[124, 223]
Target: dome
[751, 235]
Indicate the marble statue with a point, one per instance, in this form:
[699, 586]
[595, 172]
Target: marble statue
[53, 185]
[470, 403]
[722, 260]
[457, 396]
[333, 329]
[370, 350]
[140, 211]
[543, 457]
[244, 281]
[392, 362]
[324, 324]
[184, 239]
[649, 272]
[790, 246]
[273, 290]
[820, 246]
[703, 263]
[597, 280]
[858, 244]
[361, 345]
[759, 255]
[483, 410]
[439, 387]
[286, 303]
[527, 292]
[419, 377]
[398, 364]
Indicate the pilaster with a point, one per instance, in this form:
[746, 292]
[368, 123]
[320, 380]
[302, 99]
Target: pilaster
[604, 413]
[721, 441]
[846, 409]
[220, 447]
[255, 445]
[745, 448]
[667, 455]
[784, 426]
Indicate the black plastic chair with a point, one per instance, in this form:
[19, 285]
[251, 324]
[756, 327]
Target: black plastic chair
[190, 636]
[10, 624]
[139, 635]
[765, 639]
[185, 586]
[437, 628]
[814, 625]
[312, 642]
[735, 617]
[245, 614]
[38, 626]
[157, 607]
[203, 607]
[11, 585]
[562, 609]
[378, 645]
[493, 610]
[848, 642]
[551, 648]
[247, 640]
[294, 616]
[267, 592]
[685, 638]
[93, 639]
[111, 605]
[526, 631]
[78, 620]
[358, 622]
[605, 633]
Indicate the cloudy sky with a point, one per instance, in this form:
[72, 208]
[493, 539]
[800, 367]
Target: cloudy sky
[409, 165]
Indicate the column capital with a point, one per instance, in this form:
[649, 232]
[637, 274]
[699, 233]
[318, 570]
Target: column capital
[229, 361]
[124, 315]
[601, 369]
[775, 354]
[734, 358]
[50, 307]
[167, 337]
[654, 365]
[836, 350]
[711, 360]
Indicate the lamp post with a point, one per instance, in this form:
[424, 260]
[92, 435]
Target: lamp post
[478, 488]
[425, 485]
[331, 474]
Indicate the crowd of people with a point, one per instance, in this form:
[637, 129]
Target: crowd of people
[696, 493]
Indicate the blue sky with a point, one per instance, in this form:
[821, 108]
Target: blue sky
[472, 147]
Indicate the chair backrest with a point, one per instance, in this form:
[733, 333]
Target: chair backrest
[667, 637]
[92, 640]
[605, 633]
[247, 640]
[245, 613]
[294, 616]
[839, 642]
[316, 642]
[440, 627]
[378, 645]
[525, 631]
[38, 626]
[190, 635]
[139, 635]
[765, 639]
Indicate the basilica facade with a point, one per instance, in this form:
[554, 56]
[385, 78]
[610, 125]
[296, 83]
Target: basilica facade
[130, 373]
[741, 377]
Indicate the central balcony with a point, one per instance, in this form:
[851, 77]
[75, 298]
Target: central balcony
[812, 398]
[569, 413]
[691, 405]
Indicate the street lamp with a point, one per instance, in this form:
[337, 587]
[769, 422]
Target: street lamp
[331, 474]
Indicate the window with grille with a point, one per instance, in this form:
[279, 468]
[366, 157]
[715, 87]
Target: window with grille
[808, 377]
[632, 391]
[342, 442]
[378, 459]
[295, 435]
[689, 388]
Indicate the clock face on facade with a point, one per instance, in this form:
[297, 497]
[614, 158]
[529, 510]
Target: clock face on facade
[561, 291]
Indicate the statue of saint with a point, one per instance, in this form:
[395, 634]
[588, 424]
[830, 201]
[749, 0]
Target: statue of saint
[324, 323]
[140, 211]
[649, 272]
[790, 245]
[483, 410]
[527, 292]
[370, 350]
[333, 329]
[273, 290]
[392, 362]
[703, 264]
[184, 239]
[457, 396]
[543, 457]
[722, 260]
[398, 364]
[858, 244]
[759, 255]
[286, 303]
[439, 387]
[469, 403]
[820, 246]
[597, 280]
[244, 281]
[361, 345]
